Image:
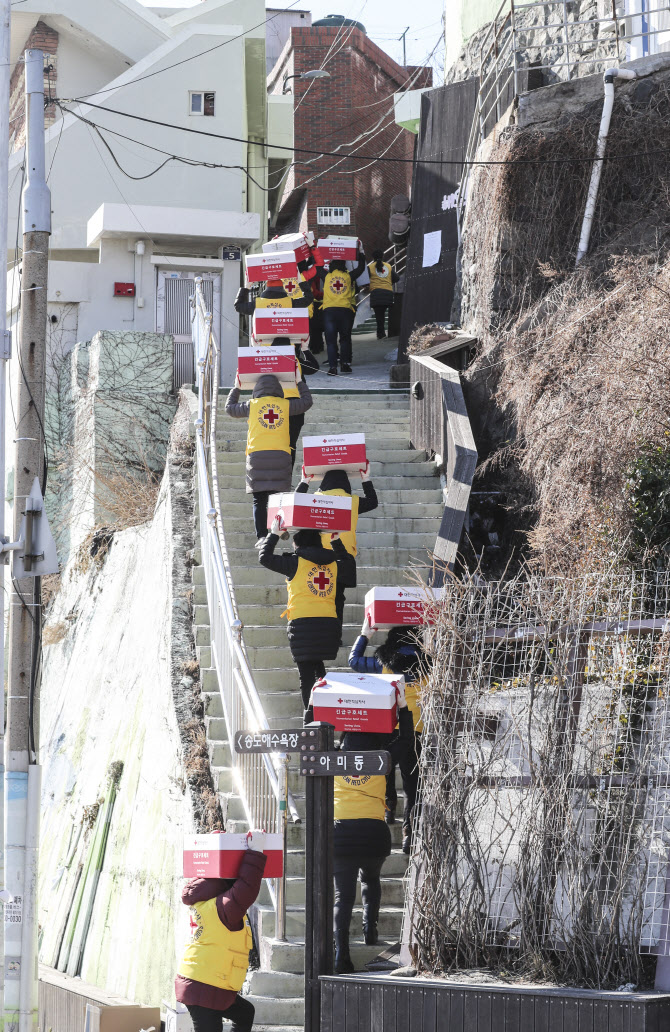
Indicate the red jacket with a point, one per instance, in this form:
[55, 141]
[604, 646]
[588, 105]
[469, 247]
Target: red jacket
[232, 902]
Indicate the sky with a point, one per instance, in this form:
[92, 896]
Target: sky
[384, 20]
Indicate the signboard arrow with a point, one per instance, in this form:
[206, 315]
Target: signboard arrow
[339, 763]
[290, 740]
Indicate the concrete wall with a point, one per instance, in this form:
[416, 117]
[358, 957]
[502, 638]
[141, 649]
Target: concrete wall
[462, 19]
[107, 697]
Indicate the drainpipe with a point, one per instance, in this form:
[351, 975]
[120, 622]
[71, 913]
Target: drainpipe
[608, 79]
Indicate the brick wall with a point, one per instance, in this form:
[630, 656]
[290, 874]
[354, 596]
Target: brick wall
[41, 38]
[356, 100]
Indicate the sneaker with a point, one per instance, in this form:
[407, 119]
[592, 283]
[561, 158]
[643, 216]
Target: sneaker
[344, 368]
[332, 371]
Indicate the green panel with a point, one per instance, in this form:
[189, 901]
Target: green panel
[254, 75]
[475, 14]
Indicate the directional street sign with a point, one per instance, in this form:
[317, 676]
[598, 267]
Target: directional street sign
[335, 764]
[291, 740]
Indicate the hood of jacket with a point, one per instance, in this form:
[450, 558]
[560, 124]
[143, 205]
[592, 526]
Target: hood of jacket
[197, 890]
[267, 386]
[314, 554]
[335, 480]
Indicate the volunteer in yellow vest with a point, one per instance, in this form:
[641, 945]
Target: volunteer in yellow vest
[216, 959]
[361, 840]
[274, 296]
[336, 482]
[268, 462]
[313, 576]
[401, 653]
[339, 310]
[382, 281]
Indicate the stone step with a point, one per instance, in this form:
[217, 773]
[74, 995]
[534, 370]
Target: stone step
[290, 955]
[212, 699]
[395, 865]
[275, 594]
[366, 539]
[272, 636]
[390, 573]
[420, 478]
[376, 456]
[280, 984]
[367, 524]
[389, 925]
[394, 509]
[384, 556]
[219, 756]
[261, 655]
[295, 833]
[393, 891]
[216, 725]
[231, 806]
[396, 427]
[202, 634]
[424, 490]
[270, 1010]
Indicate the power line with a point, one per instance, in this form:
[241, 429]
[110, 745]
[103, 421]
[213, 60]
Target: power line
[185, 60]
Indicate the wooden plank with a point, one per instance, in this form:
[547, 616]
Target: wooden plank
[377, 1008]
[556, 1015]
[527, 1013]
[364, 1019]
[430, 1010]
[402, 1007]
[470, 1013]
[541, 1015]
[616, 1016]
[328, 990]
[338, 1003]
[389, 1008]
[484, 1011]
[512, 1012]
[456, 1010]
[600, 1016]
[585, 1016]
[415, 1009]
[571, 1014]
[351, 1008]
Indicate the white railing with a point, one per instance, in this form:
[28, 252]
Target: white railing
[257, 778]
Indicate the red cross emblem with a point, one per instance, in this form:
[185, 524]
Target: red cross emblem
[338, 285]
[290, 286]
[322, 580]
[271, 416]
[340, 701]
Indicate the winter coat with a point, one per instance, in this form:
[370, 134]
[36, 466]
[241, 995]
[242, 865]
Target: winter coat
[317, 637]
[268, 470]
[245, 306]
[233, 899]
[365, 837]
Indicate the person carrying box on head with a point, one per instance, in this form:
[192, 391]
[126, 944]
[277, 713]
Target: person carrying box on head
[361, 839]
[336, 482]
[268, 454]
[339, 310]
[401, 653]
[216, 961]
[312, 574]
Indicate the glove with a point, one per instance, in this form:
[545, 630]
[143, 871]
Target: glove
[367, 629]
[318, 257]
[298, 372]
[335, 536]
[256, 840]
[238, 385]
[303, 266]
[242, 296]
[278, 526]
[307, 478]
[366, 475]
[400, 696]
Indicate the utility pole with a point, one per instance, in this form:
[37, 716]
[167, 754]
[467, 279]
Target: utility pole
[5, 74]
[25, 618]
[404, 53]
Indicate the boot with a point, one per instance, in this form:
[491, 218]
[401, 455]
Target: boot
[370, 917]
[343, 961]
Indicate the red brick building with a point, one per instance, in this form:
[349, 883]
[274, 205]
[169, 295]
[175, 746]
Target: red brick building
[352, 110]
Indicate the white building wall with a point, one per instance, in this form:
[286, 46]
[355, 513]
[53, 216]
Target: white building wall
[83, 69]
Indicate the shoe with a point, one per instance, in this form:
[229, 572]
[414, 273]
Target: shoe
[381, 336]
[389, 815]
[344, 368]
[259, 544]
[308, 716]
[332, 371]
[343, 962]
[407, 844]
[370, 934]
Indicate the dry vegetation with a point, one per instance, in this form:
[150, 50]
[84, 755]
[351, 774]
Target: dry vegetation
[578, 362]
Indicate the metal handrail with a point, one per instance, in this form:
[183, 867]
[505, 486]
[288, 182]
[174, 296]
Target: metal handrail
[256, 775]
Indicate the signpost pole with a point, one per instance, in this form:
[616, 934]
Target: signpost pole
[318, 879]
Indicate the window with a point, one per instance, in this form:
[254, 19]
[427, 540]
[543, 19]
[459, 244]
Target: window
[201, 103]
[333, 216]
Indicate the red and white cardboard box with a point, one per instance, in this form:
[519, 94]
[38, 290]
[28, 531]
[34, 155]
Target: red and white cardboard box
[358, 702]
[397, 607]
[273, 266]
[296, 242]
[334, 247]
[220, 855]
[269, 323]
[346, 451]
[311, 511]
[257, 361]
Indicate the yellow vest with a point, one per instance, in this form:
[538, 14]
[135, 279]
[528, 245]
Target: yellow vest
[380, 281]
[413, 696]
[215, 955]
[338, 291]
[312, 591]
[347, 537]
[361, 797]
[274, 302]
[292, 288]
[268, 425]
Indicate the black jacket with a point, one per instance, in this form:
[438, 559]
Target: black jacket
[243, 306]
[370, 837]
[337, 480]
[316, 637]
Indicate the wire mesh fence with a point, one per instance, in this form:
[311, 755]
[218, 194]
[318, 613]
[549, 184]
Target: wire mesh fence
[546, 780]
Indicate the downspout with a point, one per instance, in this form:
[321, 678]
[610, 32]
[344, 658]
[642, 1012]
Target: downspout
[608, 79]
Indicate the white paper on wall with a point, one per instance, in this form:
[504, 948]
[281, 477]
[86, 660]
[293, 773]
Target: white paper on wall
[432, 245]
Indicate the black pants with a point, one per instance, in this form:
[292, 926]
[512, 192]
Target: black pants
[309, 671]
[380, 315]
[410, 781]
[345, 872]
[338, 322]
[241, 1013]
[316, 330]
[260, 510]
[295, 425]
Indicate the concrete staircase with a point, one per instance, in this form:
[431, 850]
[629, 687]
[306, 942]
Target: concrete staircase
[398, 533]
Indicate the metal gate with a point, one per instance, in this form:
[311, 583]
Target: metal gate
[177, 291]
